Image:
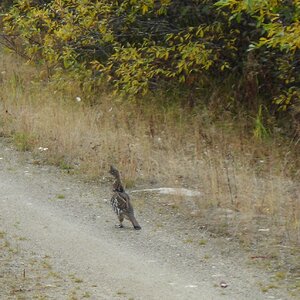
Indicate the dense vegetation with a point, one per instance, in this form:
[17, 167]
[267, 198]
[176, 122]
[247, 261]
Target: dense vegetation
[193, 46]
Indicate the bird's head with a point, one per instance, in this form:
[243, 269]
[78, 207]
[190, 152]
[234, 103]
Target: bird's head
[113, 171]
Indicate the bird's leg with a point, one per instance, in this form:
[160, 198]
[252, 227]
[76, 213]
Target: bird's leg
[121, 219]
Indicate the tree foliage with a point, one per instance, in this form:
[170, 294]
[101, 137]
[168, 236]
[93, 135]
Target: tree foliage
[276, 46]
[138, 45]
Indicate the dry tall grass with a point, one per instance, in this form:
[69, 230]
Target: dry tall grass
[245, 180]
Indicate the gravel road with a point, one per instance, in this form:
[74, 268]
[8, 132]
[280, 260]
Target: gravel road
[58, 241]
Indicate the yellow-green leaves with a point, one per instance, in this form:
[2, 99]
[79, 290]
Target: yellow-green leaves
[138, 44]
[273, 28]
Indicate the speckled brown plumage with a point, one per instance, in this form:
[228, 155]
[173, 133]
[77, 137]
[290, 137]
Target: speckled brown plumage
[120, 201]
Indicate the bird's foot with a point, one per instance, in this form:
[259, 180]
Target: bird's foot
[137, 227]
[119, 226]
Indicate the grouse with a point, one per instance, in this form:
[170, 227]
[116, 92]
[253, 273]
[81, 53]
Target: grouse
[120, 201]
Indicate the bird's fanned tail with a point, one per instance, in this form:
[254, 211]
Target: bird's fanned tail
[134, 222]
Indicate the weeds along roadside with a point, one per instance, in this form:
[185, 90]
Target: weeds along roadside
[246, 184]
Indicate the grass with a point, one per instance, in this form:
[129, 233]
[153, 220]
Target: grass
[46, 265]
[280, 275]
[268, 287]
[23, 141]
[29, 275]
[247, 183]
[2, 234]
[202, 242]
[86, 295]
[78, 280]
[188, 241]
[120, 293]
[75, 279]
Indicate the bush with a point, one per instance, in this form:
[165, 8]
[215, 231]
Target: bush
[139, 46]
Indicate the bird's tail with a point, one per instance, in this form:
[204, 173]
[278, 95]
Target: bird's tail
[134, 222]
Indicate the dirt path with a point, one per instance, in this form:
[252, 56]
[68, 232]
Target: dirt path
[57, 241]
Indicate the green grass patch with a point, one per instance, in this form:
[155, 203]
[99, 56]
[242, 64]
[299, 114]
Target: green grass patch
[23, 141]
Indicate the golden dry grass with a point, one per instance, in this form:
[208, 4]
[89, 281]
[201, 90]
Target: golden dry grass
[151, 145]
